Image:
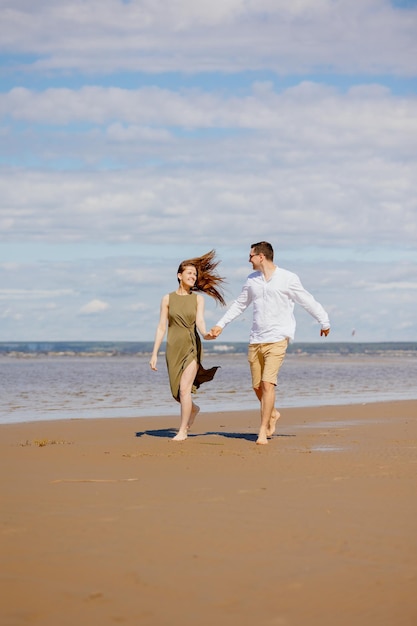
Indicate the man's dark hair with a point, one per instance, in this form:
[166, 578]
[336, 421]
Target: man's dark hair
[265, 248]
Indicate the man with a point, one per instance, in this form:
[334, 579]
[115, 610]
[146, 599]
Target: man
[273, 292]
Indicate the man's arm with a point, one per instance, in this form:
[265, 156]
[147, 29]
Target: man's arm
[236, 308]
[301, 296]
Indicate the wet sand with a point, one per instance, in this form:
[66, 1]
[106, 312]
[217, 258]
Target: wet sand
[110, 522]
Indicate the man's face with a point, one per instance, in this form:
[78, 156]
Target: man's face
[255, 259]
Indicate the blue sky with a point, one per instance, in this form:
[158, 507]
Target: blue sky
[136, 134]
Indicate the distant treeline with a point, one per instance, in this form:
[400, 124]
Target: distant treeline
[125, 348]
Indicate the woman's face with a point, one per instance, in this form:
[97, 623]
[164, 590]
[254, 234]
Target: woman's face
[188, 276]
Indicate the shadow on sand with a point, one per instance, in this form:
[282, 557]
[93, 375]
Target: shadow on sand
[169, 433]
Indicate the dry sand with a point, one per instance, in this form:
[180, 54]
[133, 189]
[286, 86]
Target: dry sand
[109, 522]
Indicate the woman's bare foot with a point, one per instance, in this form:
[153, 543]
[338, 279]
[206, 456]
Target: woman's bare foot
[194, 413]
[180, 436]
[275, 415]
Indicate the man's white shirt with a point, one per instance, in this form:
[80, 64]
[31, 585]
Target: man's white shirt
[273, 303]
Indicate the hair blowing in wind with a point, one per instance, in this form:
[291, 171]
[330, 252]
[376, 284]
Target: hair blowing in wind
[208, 279]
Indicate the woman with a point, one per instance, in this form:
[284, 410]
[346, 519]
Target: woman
[183, 311]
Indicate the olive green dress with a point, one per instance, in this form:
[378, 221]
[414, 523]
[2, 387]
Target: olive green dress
[183, 342]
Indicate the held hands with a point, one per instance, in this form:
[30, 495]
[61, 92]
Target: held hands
[324, 332]
[213, 333]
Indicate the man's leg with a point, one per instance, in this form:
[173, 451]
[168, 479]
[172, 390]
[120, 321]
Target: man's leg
[256, 363]
[272, 357]
[275, 414]
[266, 395]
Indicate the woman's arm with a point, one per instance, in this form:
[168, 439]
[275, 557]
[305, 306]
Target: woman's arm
[199, 320]
[160, 331]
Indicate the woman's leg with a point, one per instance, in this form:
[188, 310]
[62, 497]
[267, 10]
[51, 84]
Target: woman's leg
[188, 409]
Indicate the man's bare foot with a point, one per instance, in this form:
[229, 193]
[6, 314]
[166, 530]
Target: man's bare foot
[194, 414]
[275, 415]
[262, 439]
[180, 436]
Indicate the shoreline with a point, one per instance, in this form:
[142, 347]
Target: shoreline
[108, 521]
[212, 412]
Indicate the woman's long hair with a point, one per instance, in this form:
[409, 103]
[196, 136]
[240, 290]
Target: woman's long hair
[208, 280]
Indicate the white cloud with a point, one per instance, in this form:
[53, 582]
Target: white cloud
[9, 267]
[136, 276]
[227, 35]
[93, 307]
[369, 112]
[7, 294]
[138, 307]
[120, 133]
[343, 165]
[11, 314]
[359, 201]
[396, 286]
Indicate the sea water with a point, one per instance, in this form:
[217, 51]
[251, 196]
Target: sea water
[42, 387]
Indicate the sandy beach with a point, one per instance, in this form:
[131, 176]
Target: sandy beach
[110, 522]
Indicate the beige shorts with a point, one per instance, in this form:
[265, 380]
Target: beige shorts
[265, 360]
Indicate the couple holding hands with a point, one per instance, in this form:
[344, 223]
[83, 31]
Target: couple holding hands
[272, 292]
